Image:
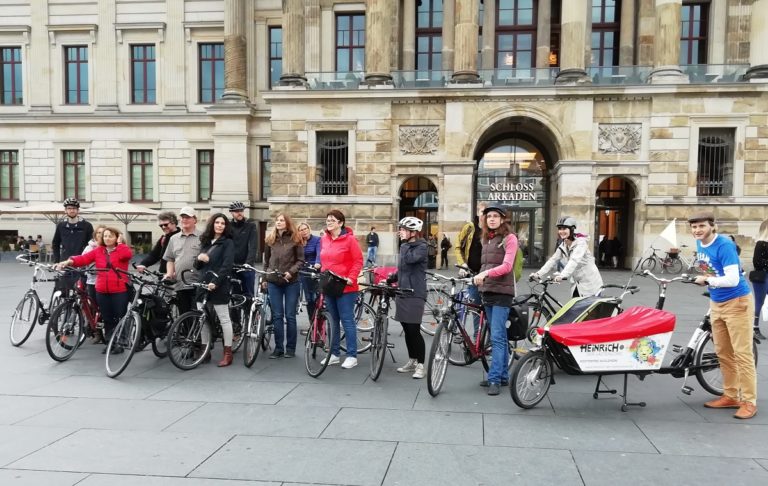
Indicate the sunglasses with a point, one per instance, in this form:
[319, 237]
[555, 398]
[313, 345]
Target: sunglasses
[164, 225]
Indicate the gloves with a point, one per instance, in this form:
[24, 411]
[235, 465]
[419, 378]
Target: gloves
[391, 278]
[558, 278]
[463, 273]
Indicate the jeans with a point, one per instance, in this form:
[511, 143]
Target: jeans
[307, 285]
[496, 316]
[343, 308]
[284, 300]
[732, 334]
[247, 280]
[760, 288]
[371, 255]
[112, 307]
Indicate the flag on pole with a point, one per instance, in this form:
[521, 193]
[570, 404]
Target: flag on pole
[670, 234]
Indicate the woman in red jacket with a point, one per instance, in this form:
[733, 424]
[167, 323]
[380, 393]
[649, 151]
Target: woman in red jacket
[111, 287]
[340, 253]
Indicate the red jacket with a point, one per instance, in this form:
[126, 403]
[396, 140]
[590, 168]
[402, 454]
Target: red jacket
[342, 256]
[109, 282]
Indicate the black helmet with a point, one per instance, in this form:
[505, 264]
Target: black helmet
[71, 201]
[237, 206]
[566, 222]
[495, 209]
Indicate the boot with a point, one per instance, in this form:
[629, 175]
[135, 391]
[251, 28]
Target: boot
[227, 359]
[759, 335]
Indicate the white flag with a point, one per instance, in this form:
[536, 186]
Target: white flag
[670, 234]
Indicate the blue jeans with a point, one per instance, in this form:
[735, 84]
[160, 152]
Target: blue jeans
[343, 307]
[248, 281]
[760, 288]
[284, 299]
[496, 316]
[371, 255]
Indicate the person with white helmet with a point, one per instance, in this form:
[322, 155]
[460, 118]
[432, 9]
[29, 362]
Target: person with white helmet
[577, 261]
[409, 309]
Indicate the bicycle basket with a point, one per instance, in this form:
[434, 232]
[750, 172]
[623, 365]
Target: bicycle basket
[674, 252]
[517, 324]
[332, 285]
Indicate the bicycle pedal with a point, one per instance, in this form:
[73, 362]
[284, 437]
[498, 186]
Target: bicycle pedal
[687, 390]
[677, 348]
[365, 339]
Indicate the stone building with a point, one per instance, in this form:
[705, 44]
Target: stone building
[622, 113]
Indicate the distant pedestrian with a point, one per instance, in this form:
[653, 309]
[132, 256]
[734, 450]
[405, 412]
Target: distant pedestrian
[432, 251]
[372, 240]
[759, 276]
[445, 245]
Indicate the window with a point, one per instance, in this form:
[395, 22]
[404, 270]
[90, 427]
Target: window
[143, 83]
[74, 173]
[76, 75]
[9, 175]
[554, 34]
[266, 172]
[10, 76]
[605, 34]
[693, 33]
[429, 37]
[350, 42]
[275, 55]
[204, 174]
[480, 17]
[141, 175]
[715, 170]
[515, 34]
[211, 72]
[332, 156]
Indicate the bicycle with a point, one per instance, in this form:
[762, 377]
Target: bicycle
[670, 263]
[257, 321]
[317, 342]
[31, 309]
[74, 319]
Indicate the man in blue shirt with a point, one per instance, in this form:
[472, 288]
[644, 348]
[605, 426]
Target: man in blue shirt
[732, 308]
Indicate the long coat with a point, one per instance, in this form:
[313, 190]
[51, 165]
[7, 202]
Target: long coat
[412, 274]
[579, 264]
[221, 257]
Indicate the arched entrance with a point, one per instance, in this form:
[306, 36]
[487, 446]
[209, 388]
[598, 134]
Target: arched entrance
[614, 217]
[418, 197]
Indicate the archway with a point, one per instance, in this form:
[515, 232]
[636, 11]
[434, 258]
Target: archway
[418, 197]
[614, 219]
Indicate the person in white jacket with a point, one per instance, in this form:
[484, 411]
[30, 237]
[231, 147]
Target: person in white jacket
[577, 261]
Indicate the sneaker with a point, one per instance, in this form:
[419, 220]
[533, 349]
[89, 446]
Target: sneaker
[746, 411]
[723, 402]
[420, 372]
[759, 335]
[484, 383]
[332, 359]
[349, 363]
[276, 354]
[289, 354]
[408, 367]
[494, 389]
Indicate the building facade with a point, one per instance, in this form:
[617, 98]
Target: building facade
[624, 114]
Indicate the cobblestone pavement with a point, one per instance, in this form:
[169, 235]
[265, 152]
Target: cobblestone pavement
[67, 423]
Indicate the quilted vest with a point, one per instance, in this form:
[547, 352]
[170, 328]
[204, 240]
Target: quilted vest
[493, 256]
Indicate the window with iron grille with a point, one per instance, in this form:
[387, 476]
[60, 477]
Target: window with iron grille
[204, 174]
[9, 175]
[516, 34]
[265, 154]
[715, 169]
[332, 157]
[275, 55]
[143, 83]
[74, 173]
[693, 33]
[141, 175]
[211, 72]
[76, 75]
[10, 76]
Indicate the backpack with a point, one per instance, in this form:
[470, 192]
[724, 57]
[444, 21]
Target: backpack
[519, 260]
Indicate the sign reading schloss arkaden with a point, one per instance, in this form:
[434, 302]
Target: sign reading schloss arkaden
[506, 191]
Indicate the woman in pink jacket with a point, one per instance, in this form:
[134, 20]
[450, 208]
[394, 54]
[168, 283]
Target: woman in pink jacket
[340, 253]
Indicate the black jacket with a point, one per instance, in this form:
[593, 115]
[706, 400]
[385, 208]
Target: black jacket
[244, 234]
[220, 260]
[70, 239]
[372, 239]
[156, 255]
[412, 274]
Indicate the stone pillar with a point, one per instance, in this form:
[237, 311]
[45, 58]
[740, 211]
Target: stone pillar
[39, 61]
[173, 65]
[489, 34]
[666, 51]
[449, 32]
[409, 35]
[573, 43]
[313, 41]
[235, 52]
[543, 34]
[465, 62]
[233, 153]
[758, 42]
[105, 77]
[293, 44]
[378, 25]
[627, 36]
[646, 28]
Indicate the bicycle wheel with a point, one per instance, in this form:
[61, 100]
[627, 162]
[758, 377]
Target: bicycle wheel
[675, 265]
[62, 335]
[539, 316]
[708, 371]
[24, 319]
[486, 355]
[530, 379]
[648, 264]
[364, 327]
[237, 314]
[253, 337]
[364, 317]
[123, 344]
[459, 352]
[317, 344]
[189, 340]
[378, 346]
[437, 300]
[269, 330]
[438, 359]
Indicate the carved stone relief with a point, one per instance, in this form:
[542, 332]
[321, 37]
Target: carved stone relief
[419, 140]
[619, 138]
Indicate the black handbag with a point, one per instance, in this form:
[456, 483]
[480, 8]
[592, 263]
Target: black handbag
[331, 284]
[757, 276]
[518, 322]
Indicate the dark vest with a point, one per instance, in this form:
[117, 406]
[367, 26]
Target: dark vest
[493, 256]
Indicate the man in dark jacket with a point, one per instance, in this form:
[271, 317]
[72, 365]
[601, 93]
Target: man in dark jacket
[244, 233]
[373, 245]
[169, 224]
[71, 237]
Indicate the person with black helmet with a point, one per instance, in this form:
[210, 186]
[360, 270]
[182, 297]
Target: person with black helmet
[244, 236]
[70, 239]
[578, 263]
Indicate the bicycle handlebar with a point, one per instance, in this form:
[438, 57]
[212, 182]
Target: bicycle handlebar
[685, 278]
[632, 289]
[437, 276]
[383, 287]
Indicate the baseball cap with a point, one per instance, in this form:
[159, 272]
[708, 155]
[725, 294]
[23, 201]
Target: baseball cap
[188, 211]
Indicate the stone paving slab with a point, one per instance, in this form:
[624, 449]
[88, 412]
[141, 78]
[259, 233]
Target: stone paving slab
[609, 407]
[14, 409]
[356, 396]
[37, 478]
[235, 392]
[99, 387]
[350, 462]
[740, 439]
[23, 383]
[18, 441]
[631, 469]
[114, 480]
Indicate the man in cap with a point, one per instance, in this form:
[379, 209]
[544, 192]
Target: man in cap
[180, 255]
[168, 222]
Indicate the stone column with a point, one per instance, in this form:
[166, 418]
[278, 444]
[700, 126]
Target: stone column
[465, 62]
[378, 25]
[105, 77]
[449, 32]
[293, 44]
[173, 65]
[666, 51]
[235, 52]
[234, 153]
[313, 40]
[646, 27]
[573, 43]
[489, 34]
[543, 34]
[409, 35]
[758, 42]
[627, 36]
[39, 61]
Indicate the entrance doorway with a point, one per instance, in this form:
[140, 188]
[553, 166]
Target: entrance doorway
[526, 225]
[418, 198]
[614, 217]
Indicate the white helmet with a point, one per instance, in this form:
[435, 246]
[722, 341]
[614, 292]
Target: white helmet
[411, 223]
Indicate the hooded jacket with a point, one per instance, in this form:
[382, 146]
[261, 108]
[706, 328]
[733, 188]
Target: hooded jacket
[342, 256]
[109, 282]
[412, 274]
[579, 264]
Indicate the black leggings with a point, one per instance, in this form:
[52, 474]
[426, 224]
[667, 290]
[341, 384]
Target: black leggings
[112, 307]
[414, 341]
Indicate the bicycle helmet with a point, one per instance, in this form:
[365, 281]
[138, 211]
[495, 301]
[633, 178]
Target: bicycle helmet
[411, 223]
[566, 222]
[495, 209]
[237, 206]
[71, 201]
